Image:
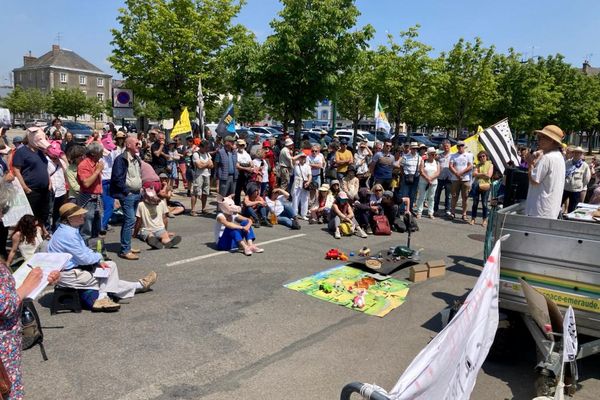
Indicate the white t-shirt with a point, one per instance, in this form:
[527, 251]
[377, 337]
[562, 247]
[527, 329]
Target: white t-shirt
[200, 157]
[276, 206]
[220, 228]
[430, 169]
[244, 158]
[301, 174]
[460, 162]
[57, 177]
[265, 168]
[152, 216]
[315, 160]
[544, 199]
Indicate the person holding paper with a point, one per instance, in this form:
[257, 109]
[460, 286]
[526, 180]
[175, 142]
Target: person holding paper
[84, 270]
[10, 321]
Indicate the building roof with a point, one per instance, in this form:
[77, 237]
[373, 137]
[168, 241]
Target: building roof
[589, 70]
[62, 59]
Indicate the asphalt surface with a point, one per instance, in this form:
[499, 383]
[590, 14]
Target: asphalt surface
[224, 327]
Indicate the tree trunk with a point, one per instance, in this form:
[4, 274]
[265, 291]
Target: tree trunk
[297, 128]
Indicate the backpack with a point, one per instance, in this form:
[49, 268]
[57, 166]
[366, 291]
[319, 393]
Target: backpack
[32, 333]
[346, 229]
[381, 225]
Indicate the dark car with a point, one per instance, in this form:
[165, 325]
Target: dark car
[439, 139]
[381, 136]
[80, 132]
[315, 138]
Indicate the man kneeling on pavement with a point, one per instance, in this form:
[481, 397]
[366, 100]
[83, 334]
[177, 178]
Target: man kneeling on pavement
[86, 270]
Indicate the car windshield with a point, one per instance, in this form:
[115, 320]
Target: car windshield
[74, 125]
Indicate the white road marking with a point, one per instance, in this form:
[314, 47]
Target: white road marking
[220, 253]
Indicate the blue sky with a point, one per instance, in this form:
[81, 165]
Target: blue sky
[569, 27]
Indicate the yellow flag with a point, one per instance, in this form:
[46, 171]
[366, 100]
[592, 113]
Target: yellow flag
[472, 145]
[183, 125]
[479, 129]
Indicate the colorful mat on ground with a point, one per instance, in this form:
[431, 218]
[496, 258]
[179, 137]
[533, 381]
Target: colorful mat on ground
[382, 296]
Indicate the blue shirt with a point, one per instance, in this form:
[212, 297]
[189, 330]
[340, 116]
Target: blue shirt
[383, 165]
[33, 166]
[67, 239]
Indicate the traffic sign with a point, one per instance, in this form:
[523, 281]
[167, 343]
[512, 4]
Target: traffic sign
[122, 98]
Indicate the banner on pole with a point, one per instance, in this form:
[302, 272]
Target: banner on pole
[183, 125]
[447, 367]
[226, 125]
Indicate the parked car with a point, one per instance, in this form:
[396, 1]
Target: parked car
[40, 123]
[265, 131]
[81, 132]
[315, 138]
[349, 135]
[439, 139]
[381, 135]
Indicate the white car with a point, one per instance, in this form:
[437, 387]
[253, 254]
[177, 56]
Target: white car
[349, 135]
[264, 131]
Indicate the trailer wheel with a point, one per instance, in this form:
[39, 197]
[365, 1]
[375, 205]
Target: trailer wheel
[545, 383]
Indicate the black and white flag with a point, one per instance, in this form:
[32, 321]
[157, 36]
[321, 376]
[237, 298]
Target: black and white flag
[200, 109]
[498, 142]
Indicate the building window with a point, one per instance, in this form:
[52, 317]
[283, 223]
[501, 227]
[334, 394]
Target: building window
[100, 82]
[325, 115]
[30, 76]
[63, 77]
[82, 79]
[101, 96]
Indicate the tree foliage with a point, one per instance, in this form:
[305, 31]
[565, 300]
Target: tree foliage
[26, 101]
[313, 44]
[162, 47]
[249, 109]
[70, 102]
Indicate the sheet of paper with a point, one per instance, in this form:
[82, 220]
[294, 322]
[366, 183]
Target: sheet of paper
[102, 272]
[48, 262]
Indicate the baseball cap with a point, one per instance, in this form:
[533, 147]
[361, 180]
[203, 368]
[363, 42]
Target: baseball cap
[229, 138]
[460, 143]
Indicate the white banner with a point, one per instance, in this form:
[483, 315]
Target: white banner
[569, 336]
[447, 367]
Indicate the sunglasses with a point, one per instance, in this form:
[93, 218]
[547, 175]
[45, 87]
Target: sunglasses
[378, 190]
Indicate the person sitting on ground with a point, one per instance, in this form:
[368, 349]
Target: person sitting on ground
[341, 212]
[334, 187]
[350, 183]
[151, 222]
[79, 271]
[364, 208]
[255, 206]
[320, 211]
[277, 201]
[165, 193]
[232, 230]
[28, 238]
[391, 210]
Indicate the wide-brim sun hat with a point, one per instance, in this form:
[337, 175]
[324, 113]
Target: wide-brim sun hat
[324, 188]
[414, 145]
[288, 142]
[431, 150]
[578, 149]
[69, 210]
[553, 132]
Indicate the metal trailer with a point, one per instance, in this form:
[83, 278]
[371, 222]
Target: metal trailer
[560, 259]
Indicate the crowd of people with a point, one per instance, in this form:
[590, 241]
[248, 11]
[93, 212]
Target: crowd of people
[76, 191]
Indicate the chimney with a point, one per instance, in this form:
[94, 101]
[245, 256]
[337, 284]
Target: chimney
[55, 49]
[28, 59]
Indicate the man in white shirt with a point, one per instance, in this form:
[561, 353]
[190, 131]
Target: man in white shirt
[245, 168]
[201, 166]
[461, 167]
[546, 175]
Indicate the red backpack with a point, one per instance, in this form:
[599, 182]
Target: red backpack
[382, 225]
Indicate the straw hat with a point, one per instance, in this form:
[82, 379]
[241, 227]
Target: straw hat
[69, 210]
[578, 149]
[414, 145]
[553, 132]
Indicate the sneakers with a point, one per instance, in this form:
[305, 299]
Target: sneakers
[295, 225]
[154, 242]
[175, 240]
[247, 251]
[360, 232]
[105, 305]
[148, 281]
[369, 231]
[337, 234]
[256, 249]
[129, 256]
[302, 217]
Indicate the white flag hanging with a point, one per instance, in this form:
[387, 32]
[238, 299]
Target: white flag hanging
[381, 121]
[447, 367]
[569, 336]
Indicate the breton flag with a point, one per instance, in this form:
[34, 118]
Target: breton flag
[200, 109]
[381, 120]
[498, 142]
[447, 367]
[226, 125]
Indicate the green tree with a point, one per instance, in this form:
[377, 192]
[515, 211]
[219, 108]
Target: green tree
[95, 108]
[150, 110]
[26, 101]
[467, 84]
[527, 94]
[69, 102]
[404, 78]
[162, 47]
[249, 109]
[355, 97]
[314, 43]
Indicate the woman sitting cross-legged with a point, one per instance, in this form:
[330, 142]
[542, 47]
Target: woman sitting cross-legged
[232, 230]
[28, 238]
[341, 213]
[81, 268]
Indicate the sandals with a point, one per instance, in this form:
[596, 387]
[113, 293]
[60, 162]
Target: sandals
[464, 217]
[472, 222]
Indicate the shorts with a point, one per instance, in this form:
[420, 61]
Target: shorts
[144, 233]
[462, 187]
[201, 185]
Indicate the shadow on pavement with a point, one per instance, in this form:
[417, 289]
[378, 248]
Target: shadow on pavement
[458, 265]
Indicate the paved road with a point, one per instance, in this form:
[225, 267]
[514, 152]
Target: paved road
[224, 327]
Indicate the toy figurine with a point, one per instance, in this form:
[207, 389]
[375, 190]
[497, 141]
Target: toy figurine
[364, 252]
[336, 254]
[339, 285]
[359, 300]
[326, 287]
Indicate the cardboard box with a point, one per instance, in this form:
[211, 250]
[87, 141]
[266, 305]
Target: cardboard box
[418, 273]
[436, 268]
